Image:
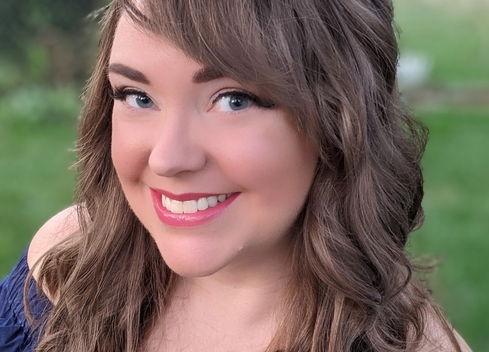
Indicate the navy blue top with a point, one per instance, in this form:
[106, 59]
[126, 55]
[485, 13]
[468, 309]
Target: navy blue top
[15, 333]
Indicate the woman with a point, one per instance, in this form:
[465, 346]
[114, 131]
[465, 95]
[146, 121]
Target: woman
[248, 178]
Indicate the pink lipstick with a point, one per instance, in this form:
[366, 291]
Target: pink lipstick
[190, 209]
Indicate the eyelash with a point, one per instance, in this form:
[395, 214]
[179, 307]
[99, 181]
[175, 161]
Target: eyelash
[246, 95]
[122, 93]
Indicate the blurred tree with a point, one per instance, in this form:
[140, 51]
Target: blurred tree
[47, 40]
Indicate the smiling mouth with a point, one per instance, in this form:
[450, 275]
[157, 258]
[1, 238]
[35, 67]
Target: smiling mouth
[192, 206]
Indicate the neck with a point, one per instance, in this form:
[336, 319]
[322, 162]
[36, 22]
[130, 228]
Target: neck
[246, 296]
[239, 305]
[227, 309]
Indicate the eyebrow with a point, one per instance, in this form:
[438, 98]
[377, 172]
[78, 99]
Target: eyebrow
[203, 75]
[128, 72]
[206, 74]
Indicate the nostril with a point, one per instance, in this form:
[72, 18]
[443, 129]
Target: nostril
[171, 162]
[178, 146]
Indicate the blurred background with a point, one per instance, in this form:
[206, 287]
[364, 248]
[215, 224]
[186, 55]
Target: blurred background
[47, 49]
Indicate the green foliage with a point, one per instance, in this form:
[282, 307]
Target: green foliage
[11, 75]
[49, 40]
[456, 229]
[37, 61]
[453, 33]
[35, 182]
[40, 104]
[38, 129]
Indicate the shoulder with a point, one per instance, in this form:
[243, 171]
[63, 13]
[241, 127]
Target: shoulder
[437, 338]
[54, 231]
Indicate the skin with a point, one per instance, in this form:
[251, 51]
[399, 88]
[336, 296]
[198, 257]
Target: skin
[187, 139]
[186, 142]
[233, 268]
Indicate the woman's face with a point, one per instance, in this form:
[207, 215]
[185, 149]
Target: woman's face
[214, 171]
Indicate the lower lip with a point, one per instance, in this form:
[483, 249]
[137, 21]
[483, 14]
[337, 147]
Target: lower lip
[189, 220]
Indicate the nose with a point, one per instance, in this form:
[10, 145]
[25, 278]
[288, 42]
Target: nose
[178, 147]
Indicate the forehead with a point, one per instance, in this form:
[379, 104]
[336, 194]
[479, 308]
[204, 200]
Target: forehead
[129, 36]
[135, 44]
[136, 50]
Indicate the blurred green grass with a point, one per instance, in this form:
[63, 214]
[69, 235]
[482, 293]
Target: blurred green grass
[456, 203]
[35, 183]
[37, 132]
[452, 33]
[38, 129]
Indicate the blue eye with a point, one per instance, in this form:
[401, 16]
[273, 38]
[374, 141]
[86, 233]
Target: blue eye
[141, 101]
[239, 100]
[134, 98]
[233, 102]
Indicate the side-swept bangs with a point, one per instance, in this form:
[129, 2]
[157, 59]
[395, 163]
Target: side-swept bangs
[334, 73]
[252, 42]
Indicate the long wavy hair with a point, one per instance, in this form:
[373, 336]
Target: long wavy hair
[332, 64]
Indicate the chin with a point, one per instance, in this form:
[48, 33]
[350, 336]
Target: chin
[194, 269]
[193, 264]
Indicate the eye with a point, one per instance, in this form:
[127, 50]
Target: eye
[133, 97]
[238, 100]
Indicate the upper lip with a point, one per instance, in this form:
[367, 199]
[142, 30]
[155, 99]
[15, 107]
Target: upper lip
[186, 196]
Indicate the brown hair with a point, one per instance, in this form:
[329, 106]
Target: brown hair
[332, 64]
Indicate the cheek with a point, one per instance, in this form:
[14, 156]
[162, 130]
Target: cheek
[129, 150]
[274, 162]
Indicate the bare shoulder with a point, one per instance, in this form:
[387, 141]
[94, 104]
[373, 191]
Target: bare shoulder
[55, 230]
[438, 339]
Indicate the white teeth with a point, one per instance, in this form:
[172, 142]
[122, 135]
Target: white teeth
[192, 206]
[176, 207]
[202, 204]
[212, 201]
